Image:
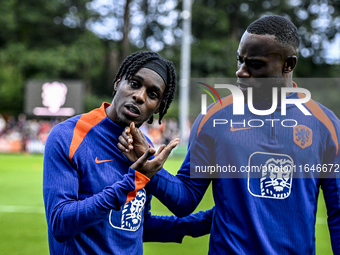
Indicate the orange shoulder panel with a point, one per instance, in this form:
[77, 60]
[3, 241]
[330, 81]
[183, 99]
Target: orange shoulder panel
[322, 116]
[215, 108]
[83, 126]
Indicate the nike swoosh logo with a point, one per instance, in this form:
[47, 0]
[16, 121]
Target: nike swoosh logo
[232, 129]
[102, 161]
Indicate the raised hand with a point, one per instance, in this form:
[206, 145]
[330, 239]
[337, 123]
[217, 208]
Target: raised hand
[132, 143]
[150, 167]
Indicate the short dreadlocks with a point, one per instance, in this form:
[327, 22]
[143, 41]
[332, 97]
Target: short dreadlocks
[285, 31]
[135, 61]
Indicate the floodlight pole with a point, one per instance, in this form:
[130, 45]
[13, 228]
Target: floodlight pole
[185, 72]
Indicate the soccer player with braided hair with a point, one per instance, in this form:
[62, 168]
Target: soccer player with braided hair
[96, 200]
[135, 61]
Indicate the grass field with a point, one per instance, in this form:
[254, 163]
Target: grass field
[23, 229]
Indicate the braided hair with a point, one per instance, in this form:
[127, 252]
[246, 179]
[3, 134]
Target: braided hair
[285, 31]
[135, 61]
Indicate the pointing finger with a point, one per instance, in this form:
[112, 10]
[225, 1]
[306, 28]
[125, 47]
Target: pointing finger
[136, 133]
[127, 130]
[133, 128]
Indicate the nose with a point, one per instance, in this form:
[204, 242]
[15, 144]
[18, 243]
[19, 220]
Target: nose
[139, 96]
[242, 71]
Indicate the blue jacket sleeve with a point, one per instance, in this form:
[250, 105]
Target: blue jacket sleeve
[173, 229]
[180, 193]
[330, 184]
[68, 215]
[331, 191]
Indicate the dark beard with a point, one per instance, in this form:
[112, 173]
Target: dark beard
[264, 92]
[123, 124]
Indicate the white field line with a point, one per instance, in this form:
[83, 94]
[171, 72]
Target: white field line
[21, 209]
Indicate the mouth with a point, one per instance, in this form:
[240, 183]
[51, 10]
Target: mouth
[132, 110]
[243, 86]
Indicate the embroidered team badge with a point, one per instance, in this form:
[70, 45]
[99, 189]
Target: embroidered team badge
[271, 175]
[303, 136]
[277, 180]
[130, 217]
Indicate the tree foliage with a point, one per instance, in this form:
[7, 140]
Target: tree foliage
[88, 39]
[218, 26]
[39, 40]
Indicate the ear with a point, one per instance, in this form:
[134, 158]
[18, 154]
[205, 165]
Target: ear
[116, 85]
[290, 64]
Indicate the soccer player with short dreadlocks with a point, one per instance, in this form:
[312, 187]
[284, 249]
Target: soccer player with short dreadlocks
[96, 200]
[266, 174]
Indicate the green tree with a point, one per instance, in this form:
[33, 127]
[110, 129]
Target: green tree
[45, 40]
[217, 27]
[84, 39]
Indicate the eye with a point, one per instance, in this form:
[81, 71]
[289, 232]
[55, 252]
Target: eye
[153, 95]
[255, 64]
[239, 59]
[134, 84]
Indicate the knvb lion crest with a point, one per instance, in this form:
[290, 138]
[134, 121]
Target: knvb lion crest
[130, 217]
[273, 175]
[276, 181]
[303, 136]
